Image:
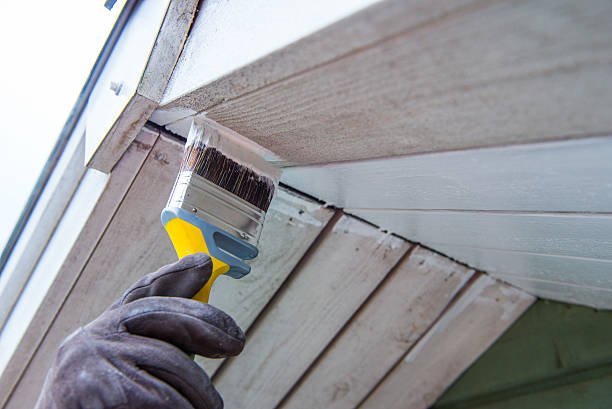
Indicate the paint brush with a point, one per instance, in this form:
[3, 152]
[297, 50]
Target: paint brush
[219, 200]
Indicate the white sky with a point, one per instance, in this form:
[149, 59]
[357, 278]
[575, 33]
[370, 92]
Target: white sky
[48, 49]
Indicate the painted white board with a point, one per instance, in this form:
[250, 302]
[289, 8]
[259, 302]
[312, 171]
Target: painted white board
[43, 220]
[63, 238]
[124, 68]
[579, 271]
[574, 235]
[567, 176]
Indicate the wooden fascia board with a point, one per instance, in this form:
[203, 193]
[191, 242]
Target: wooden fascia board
[423, 77]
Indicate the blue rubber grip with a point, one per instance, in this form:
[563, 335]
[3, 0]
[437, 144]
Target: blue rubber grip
[222, 245]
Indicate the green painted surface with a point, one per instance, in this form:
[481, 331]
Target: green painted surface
[556, 356]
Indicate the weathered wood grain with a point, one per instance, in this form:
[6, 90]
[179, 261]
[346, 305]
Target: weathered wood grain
[400, 311]
[292, 224]
[121, 133]
[167, 48]
[133, 243]
[494, 73]
[486, 310]
[235, 48]
[321, 296]
[566, 176]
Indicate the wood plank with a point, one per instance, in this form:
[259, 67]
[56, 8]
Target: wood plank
[464, 332]
[567, 176]
[600, 298]
[135, 225]
[292, 224]
[254, 54]
[324, 292]
[142, 61]
[118, 184]
[572, 270]
[115, 190]
[400, 311]
[443, 84]
[574, 235]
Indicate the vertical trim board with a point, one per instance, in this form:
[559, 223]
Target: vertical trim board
[401, 310]
[322, 295]
[482, 313]
[49, 265]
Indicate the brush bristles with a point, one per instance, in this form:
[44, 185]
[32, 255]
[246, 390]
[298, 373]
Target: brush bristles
[229, 175]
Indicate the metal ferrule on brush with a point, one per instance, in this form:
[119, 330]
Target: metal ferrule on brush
[215, 205]
[219, 200]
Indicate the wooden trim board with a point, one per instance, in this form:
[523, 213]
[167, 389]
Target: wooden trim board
[257, 59]
[595, 297]
[484, 74]
[482, 313]
[573, 251]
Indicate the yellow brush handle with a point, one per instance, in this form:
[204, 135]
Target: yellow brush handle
[188, 239]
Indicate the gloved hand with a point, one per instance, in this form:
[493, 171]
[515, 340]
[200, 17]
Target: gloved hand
[135, 355]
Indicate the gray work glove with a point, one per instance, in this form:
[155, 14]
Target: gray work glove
[135, 355]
